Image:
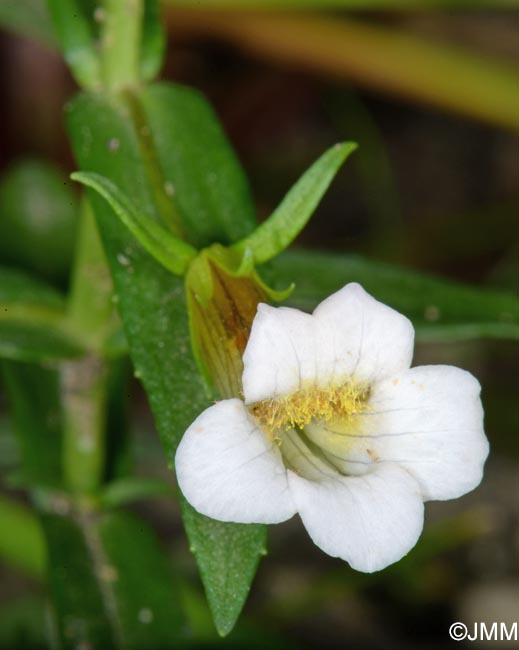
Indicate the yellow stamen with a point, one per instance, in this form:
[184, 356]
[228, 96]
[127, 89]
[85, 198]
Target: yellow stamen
[308, 403]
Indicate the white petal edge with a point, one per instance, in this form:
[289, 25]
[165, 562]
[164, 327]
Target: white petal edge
[429, 419]
[228, 470]
[349, 334]
[370, 521]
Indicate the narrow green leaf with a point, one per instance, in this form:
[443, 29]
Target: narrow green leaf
[22, 622]
[128, 489]
[178, 153]
[18, 288]
[198, 167]
[24, 340]
[32, 320]
[440, 309]
[291, 216]
[153, 43]
[238, 548]
[322, 5]
[74, 28]
[375, 55]
[33, 395]
[21, 543]
[147, 591]
[171, 252]
[110, 584]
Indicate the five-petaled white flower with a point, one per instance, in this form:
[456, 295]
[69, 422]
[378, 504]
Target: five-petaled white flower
[337, 427]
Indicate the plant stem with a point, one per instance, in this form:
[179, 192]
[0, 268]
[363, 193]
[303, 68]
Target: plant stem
[84, 382]
[90, 311]
[84, 398]
[120, 43]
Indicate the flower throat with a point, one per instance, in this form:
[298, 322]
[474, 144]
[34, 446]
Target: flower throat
[311, 403]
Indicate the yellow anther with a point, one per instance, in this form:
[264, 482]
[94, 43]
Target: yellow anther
[311, 403]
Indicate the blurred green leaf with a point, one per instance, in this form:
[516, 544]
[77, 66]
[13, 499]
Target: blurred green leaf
[372, 54]
[322, 5]
[19, 289]
[75, 29]
[38, 219]
[172, 253]
[147, 589]
[22, 340]
[33, 395]
[371, 172]
[111, 586]
[111, 44]
[153, 43]
[294, 211]
[32, 320]
[440, 309]
[22, 623]
[28, 18]
[128, 489]
[155, 163]
[21, 543]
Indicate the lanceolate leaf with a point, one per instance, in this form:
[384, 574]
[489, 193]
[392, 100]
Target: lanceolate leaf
[244, 543]
[287, 220]
[199, 168]
[440, 309]
[176, 163]
[153, 42]
[171, 252]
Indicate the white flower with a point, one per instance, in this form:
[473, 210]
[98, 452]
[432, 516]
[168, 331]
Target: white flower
[337, 427]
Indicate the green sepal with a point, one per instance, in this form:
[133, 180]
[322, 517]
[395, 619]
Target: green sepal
[280, 229]
[174, 254]
[237, 264]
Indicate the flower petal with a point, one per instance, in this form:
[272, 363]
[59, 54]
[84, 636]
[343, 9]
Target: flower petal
[365, 338]
[350, 334]
[228, 470]
[280, 353]
[370, 521]
[429, 420]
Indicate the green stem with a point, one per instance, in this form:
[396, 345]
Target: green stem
[90, 310]
[84, 402]
[84, 381]
[120, 42]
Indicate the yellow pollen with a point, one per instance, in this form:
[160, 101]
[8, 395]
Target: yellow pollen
[311, 403]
